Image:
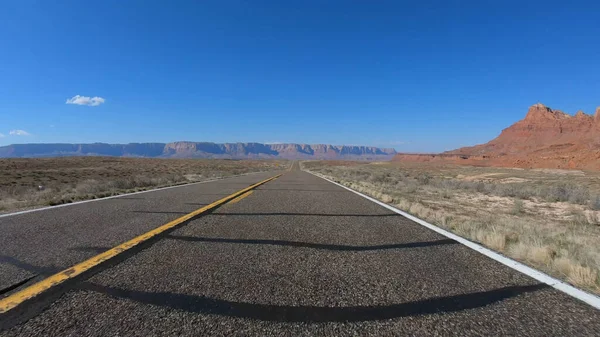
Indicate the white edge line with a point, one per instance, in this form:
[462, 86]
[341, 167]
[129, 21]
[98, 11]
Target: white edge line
[566, 288]
[124, 195]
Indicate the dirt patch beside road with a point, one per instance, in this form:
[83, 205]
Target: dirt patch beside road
[27, 183]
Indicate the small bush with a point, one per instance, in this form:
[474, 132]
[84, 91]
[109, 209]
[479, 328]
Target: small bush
[378, 178]
[578, 195]
[559, 193]
[565, 192]
[595, 203]
[512, 190]
[480, 187]
[518, 207]
[423, 178]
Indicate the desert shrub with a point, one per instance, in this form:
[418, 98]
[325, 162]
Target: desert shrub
[595, 203]
[88, 186]
[378, 178]
[448, 184]
[564, 192]
[558, 193]
[578, 195]
[423, 178]
[512, 190]
[518, 207]
[122, 184]
[479, 187]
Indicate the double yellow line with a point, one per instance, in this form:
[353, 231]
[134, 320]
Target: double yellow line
[36, 289]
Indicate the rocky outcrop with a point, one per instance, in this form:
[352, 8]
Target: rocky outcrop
[200, 150]
[545, 138]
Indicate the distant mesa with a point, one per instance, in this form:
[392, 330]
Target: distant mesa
[545, 138]
[200, 150]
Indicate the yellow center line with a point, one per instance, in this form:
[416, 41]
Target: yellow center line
[240, 197]
[36, 289]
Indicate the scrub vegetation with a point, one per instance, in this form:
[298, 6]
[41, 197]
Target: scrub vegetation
[549, 219]
[27, 183]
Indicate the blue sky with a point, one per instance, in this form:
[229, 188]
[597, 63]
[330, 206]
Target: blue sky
[413, 75]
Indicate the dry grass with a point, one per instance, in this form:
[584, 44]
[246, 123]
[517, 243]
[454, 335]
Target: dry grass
[549, 219]
[70, 179]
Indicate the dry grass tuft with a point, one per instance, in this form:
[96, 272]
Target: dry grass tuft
[495, 240]
[582, 276]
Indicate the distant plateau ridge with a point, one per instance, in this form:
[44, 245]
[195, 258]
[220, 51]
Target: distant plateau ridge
[199, 150]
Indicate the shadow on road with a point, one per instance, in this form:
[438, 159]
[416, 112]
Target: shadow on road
[315, 314]
[287, 183]
[160, 212]
[129, 198]
[95, 249]
[298, 190]
[35, 271]
[308, 214]
[314, 245]
[27, 266]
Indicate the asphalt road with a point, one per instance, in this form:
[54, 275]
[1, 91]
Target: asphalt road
[39, 244]
[298, 256]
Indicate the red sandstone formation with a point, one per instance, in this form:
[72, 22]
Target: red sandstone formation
[546, 138]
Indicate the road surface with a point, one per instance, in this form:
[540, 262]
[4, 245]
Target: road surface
[297, 256]
[41, 243]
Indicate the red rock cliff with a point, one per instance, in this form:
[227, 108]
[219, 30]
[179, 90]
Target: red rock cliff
[545, 138]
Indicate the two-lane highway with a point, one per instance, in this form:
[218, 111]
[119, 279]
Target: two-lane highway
[297, 256]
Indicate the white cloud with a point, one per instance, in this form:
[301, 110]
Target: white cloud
[19, 133]
[85, 100]
[2, 135]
